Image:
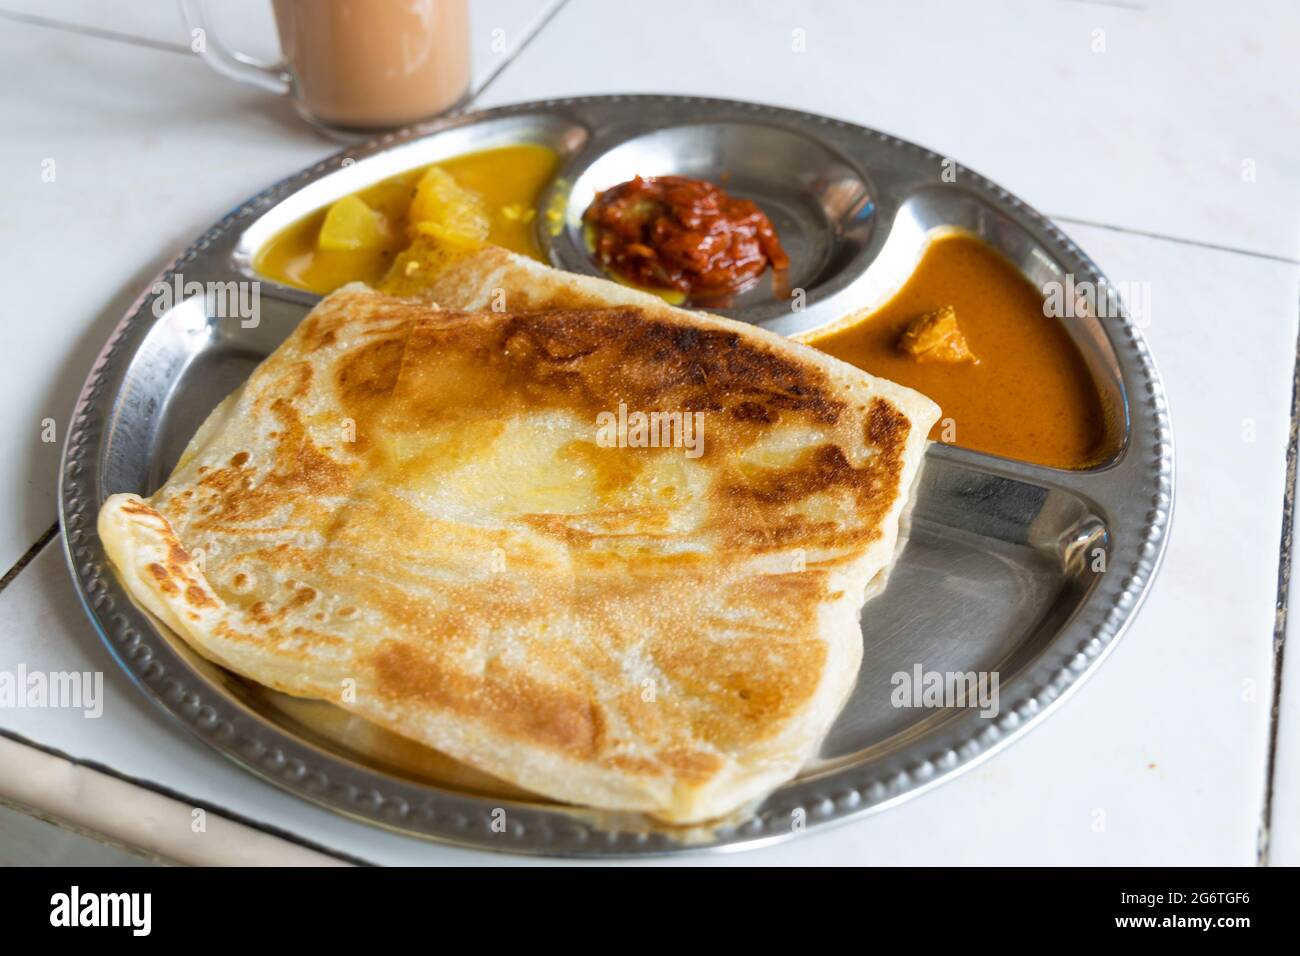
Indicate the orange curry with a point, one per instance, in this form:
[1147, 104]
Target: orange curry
[969, 330]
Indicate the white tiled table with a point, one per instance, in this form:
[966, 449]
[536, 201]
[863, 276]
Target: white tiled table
[1163, 136]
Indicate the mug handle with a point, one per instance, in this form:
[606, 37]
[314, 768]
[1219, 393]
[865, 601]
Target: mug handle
[228, 62]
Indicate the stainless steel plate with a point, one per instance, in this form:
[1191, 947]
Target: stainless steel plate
[1026, 571]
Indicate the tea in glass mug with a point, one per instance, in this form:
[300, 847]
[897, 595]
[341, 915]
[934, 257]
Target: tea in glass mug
[356, 66]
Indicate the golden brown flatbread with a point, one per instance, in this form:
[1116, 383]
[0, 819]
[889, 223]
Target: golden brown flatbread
[416, 515]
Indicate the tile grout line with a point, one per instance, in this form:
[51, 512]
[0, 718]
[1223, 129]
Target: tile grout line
[1167, 238]
[86, 30]
[29, 555]
[1280, 621]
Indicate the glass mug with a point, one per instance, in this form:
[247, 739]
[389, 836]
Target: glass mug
[355, 66]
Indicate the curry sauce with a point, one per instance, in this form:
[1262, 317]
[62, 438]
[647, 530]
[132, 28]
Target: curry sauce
[508, 180]
[1026, 393]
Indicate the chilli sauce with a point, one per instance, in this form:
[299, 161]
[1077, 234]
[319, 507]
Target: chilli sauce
[676, 233]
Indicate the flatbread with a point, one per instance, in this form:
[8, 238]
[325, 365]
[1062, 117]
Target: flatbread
[473, 276]
[415, 515]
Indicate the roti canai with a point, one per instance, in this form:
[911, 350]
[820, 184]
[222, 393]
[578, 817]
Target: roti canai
[615, 556]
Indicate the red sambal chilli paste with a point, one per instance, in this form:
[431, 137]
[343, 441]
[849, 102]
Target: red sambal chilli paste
[672, 232]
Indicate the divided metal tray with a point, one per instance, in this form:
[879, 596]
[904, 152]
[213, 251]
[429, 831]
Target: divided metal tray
[1028, 572]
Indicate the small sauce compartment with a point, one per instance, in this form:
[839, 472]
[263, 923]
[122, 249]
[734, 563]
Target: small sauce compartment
[957, 308]
[506, 182]
[510, 161]
[820, 202]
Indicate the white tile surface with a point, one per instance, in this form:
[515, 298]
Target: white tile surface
[1150, 134]
[1163, 749]
[157, 20]
[497, 27]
